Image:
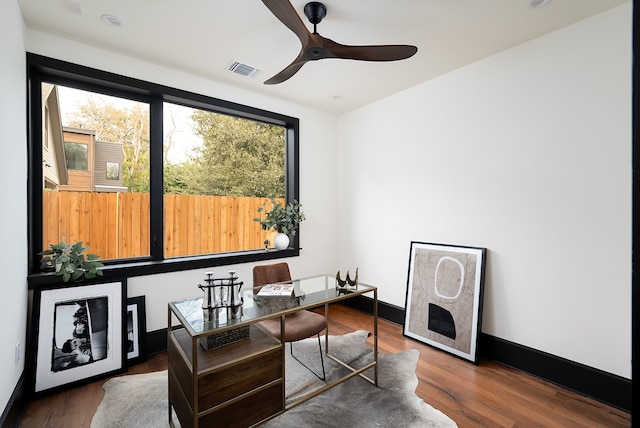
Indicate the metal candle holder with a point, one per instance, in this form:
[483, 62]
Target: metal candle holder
[221, 293]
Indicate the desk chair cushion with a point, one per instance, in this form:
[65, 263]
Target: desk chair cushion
[270, 274]
[298, 325]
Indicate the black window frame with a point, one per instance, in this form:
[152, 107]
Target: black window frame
[44, 69]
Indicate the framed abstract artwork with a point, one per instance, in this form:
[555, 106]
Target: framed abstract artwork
[136, 330]
[443, 306]
[79, 333]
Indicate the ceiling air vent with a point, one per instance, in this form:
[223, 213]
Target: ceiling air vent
[242, 69]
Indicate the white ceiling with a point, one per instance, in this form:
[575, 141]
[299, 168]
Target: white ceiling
[203, 36]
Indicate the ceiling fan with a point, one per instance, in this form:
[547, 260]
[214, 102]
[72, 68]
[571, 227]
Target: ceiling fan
[315, 47]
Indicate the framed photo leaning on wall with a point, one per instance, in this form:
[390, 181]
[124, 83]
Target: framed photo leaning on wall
[136, 330]
[443, 306]
[80, 333]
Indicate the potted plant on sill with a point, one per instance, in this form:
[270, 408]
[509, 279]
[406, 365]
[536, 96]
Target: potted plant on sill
[69, 261]
[283, 219]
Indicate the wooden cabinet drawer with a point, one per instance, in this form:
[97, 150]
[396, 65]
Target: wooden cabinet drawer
[248, 410]
[236, 379]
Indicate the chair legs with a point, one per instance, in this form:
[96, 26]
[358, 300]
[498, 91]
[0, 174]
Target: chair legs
[307, 367]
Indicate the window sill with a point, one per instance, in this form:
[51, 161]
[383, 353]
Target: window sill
[149, 267]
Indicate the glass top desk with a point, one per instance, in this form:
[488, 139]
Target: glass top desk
[227, 383]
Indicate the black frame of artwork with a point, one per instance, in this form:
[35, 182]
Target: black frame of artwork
[447, 316]
[136, 338]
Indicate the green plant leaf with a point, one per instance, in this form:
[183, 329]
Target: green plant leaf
[73, 264]
[283, 219]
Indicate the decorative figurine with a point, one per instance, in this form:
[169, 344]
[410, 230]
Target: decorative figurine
[340, 283]
[346, 283]
[353, 283]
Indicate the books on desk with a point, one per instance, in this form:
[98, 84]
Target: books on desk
[276, 290]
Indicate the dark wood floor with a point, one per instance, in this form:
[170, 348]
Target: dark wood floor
[484, 395]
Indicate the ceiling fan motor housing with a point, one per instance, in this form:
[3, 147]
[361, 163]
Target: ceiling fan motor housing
[315, 12]
[315, 53]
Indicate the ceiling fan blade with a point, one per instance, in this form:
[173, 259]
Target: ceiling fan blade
[285, 12]
[289, 70]
[368, 53]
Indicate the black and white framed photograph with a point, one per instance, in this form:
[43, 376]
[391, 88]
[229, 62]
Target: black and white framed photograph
[80, 333]
[136, 330]
[443, 305]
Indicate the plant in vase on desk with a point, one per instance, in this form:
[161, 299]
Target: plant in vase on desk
[282, 219]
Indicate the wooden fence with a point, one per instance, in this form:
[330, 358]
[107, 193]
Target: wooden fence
[116, 225]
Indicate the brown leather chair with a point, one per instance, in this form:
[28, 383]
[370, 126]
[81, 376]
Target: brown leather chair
[298, 325]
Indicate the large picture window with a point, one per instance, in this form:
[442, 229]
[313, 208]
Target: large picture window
[151, 178]
[100, 132]
[218, 170]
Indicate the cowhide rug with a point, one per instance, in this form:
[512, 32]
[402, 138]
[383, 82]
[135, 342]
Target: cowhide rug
[140, 401]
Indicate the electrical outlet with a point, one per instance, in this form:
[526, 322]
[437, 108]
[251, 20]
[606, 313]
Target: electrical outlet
[17, 352]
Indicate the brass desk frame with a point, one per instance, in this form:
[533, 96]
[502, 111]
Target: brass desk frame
[340, 295]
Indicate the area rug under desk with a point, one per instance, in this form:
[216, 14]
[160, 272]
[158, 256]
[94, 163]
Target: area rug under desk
[134, 401]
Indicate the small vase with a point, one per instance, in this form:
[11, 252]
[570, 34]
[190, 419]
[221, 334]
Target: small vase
[281, 241]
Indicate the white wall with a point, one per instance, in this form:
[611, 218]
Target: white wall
[526, 153]
[13, 227]
[317, 170]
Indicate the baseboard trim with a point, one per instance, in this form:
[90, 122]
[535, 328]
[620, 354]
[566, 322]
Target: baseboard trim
[157, 341]
[386, 311]
[602, 386]
[12, 413]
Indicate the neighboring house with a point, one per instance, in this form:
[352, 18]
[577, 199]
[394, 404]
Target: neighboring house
[92, 166]
[73, 159]
[107, 172]
[54, 170]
